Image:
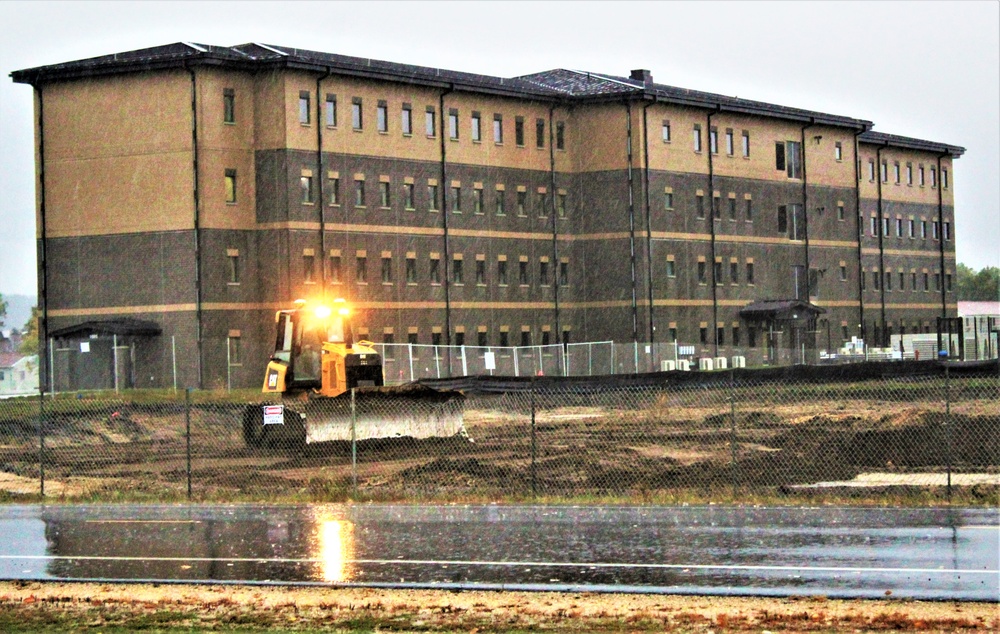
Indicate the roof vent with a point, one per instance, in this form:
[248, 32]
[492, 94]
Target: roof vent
[643, 75]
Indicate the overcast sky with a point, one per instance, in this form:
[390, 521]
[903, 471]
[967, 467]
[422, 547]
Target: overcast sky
[921, 69]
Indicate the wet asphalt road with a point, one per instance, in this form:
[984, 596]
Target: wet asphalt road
[913, 553]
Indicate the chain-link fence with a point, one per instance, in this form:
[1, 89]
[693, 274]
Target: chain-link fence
[924, 432]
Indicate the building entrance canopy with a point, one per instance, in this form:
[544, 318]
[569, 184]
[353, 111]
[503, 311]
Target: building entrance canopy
[781, 310]
[120, 327]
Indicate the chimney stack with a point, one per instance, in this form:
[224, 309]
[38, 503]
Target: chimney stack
[643, 75]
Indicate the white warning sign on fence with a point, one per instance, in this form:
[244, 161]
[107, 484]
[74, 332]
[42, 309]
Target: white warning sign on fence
[490, 361]
[274, 414]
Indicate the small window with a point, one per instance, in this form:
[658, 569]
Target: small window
[309, 269]
[543, 273]
[456, 199]
[716, 208]
[749, 210]
[697, 137]
[430, 122]
[730, 149]
[838, 151]
[457, 273]
[477, 201]
[432, 198]
[746, 144]
[947, 231]
[407, 119]
[561, 205]
[899, 227]
[504, 338]
[909, 173]
[235, 350]
[480, 272]
[564, 274]
[384, 196]
[434, 272]
[331, 110]
[228, 105]
[481, 339]
[453, 124]
[732, 209]
[304, 108]
[525, 338]
[702, 272]
[668, 200]
[230, 186]
[540, 205]
[671, 268]
[734, 273]
[703, 335]
[884, 171]
[665, 132]
[361, 269]
[871, 170]
[933, 177]
[560, 136]
[459, 338]
[840, 211]
[408, 196]
[359, 193]
[500, 202]
[783, 219]
[382, 117]
[750, 273]
[234, 267]
[793, 155]
[779, 156]
[896, 172]
[700, 205]
[843, 272]
[306, 188]
[333, 190]
[357, 117]
[713, 140]
[522, 201]
[519, 131]
[498, 128]
[411, 270]
[502, 272]
[717, 272]
[522, 273]
[540, 133]
[477, 128]
[336, 273]
[387, 269]
[944, 178]
[920, 175]
[912, 232]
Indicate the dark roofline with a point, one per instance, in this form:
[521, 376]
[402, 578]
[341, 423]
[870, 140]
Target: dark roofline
[894, 140]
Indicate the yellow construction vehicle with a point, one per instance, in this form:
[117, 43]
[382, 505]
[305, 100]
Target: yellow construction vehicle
[331, 387]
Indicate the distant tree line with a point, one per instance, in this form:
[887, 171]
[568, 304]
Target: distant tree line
[29, 333]
[978, 286]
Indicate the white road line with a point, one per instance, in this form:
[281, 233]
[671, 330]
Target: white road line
[510, 564]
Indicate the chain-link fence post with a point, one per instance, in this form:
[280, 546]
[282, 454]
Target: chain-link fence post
[732, 432]
[948, 427]
[187, 437]
[534, 489]
[354, 444]
[41, 444]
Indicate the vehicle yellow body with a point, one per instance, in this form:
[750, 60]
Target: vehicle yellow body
[331, 387]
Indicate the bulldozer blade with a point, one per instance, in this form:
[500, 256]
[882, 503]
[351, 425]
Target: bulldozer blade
[415, 412]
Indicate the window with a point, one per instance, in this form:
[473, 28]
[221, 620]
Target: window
[884, 172]
[382, 117]
[672, 333]
[933, 177]
[540, 133]
[546, 337]
[873, 229]
[793, 154]
[502, 272]
[519, 131]
[913, 281]
[560, 136]
[306, 187]
[333, 190]
[411, 269]
[457, 273]
[481, 339]
[720, 335]
[522, 201]
[750, 273]
[525, 337]
[408, 196]
[935, 227]
[480, 272]
[713, 141]
[746, 144]
[751, 337]
[895, 172]
[456, 199]
[734, 272]
[543, 272]
[564, 273]
[498, 128]
[235, 350]
[944, 178]
[435, 271]
[876, 280]
[779, 156]
[888, 281]
[736, 335]
[504, 337]
[749, 210]
[477, 201]
[840, 211]
[923, 229]
[702, 272]
[522, 272]
[384, 197]
[386, 269]
[500, 202]
[228, 105]
[304, 109]
[843, 272]
[359, 192]
[357, 118]
[697, 137]
[838, 151]
[703, 335]
[885, 226]
[453, 124]
[717, 271]
[912, 230]
[732, 209]
[948, 283]
[430, 122]
[902, 281]
[234, 266]
[700, 205]
[388, 338]
[331, 110]
[920, 175]
[561, 205]
[361, 269]
[668, 200]
[947, 231]
[230, 186]
[909, 173]
[730, 149]
[671, 268]
[666, 131]
[435, 339]
[407, 119]
[541, 204]
[871, 170]
[899, 227]
[477, 129]
[335, 270]
[782, 219]
[927, 284]
[432, 198]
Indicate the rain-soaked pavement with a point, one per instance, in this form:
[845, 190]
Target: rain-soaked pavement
[841, 552]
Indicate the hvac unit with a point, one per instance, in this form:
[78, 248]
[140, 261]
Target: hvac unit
[684, 365]
[739, 362]
[720, 363]
[667, 366]
[706, 363]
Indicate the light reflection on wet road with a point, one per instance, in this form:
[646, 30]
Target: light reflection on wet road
[916, 553]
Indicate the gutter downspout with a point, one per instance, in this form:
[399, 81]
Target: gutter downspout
[881, 237]
[320, 177]
[711, 215]
[805, 203]
[444, 217]
[649, 227]
[631, 225]
[43, 283]
[552, 214]
[858, 232]
[197, 225]
[944, 287]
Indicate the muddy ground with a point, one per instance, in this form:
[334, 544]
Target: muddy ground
[638, 444]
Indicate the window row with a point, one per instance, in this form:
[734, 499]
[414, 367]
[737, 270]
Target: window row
[717, 270]
[898, 171]
[789, 217]
[505, 338]
[918, 281]
[909, 228]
